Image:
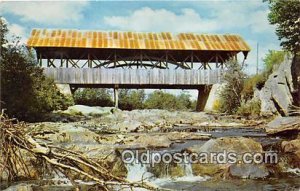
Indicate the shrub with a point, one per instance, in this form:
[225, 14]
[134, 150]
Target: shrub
[93, 97]
[230, 95]
[249, 108]
[255, 81]
[216, 105]
[272, 59]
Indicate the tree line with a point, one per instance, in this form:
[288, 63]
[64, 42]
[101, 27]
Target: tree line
[135, 99]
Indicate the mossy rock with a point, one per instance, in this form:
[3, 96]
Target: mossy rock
[119, 169]
[176, 171]
[207, 169]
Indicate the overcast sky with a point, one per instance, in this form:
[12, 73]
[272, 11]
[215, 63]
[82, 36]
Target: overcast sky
[247, 18]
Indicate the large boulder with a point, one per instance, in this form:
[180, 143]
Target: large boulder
[230, 144]
[292, 150]
[283, 126]
[238, 145]
[88, 110]
[248, 171]
[276, 95]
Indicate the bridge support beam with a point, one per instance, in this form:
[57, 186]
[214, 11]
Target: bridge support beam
[116, 96]
[203, 94]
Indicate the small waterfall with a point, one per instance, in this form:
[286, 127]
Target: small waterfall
[188, 169]
[189, 176]
[167, 170]
[137, 172]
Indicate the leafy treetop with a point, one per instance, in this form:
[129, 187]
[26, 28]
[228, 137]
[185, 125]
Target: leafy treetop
[285, 14]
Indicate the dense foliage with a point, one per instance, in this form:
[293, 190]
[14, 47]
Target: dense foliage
[25, 92]
[93, 97]
[131, 99]
[249, 108]
[162, 100]
[285, 15]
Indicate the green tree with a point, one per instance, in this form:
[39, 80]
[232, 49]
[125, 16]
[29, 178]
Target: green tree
[131, 99]
[25, 92]
[230, 95]
[184, 101]
[162, 100]
[93, 97]
[285, 15]
[3, 40]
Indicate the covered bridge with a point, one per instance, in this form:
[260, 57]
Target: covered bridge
[134, 59]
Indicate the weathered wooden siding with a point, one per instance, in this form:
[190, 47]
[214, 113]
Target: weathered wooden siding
[134, 76]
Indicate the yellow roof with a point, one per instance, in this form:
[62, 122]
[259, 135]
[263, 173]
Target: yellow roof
[135, 40]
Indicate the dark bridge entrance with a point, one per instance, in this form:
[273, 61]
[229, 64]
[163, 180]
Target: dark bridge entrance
[97, 59]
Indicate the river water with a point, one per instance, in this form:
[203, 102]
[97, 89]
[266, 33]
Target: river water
[189, 181]
[196, 183]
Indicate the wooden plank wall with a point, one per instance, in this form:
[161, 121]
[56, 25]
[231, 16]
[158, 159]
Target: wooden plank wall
[134, 76]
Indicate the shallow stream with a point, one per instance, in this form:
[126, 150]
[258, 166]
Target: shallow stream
[188, 181]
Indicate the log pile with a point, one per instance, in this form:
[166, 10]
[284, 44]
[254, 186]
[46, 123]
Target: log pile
[16, 143]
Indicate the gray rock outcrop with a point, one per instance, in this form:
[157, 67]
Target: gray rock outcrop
[276, 95]
[281, 125]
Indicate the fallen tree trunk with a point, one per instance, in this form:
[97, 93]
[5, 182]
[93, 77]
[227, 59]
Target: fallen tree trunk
[15, 140]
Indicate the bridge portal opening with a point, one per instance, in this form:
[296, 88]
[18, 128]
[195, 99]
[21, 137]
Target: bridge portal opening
[130, 99]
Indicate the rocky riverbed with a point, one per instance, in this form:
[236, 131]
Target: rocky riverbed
[104, 133]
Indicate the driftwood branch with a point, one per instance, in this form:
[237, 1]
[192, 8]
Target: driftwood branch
[15, 140]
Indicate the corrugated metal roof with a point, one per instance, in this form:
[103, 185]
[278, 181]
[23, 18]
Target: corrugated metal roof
[135, 40]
